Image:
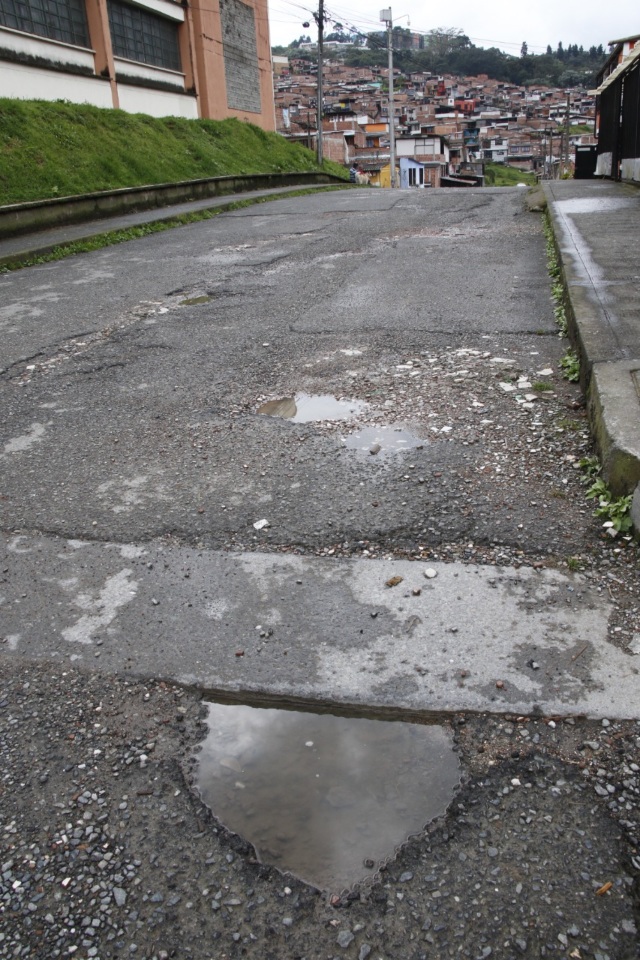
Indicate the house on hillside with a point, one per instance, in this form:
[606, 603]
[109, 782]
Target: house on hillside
[417, 173]
[495, 149]
[618, 112]
[161, 57]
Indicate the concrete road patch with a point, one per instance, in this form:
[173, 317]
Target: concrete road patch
[373, 634]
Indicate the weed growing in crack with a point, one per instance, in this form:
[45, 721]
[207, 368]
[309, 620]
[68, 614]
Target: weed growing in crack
[570, 365]
[616, 511]
[557, 285]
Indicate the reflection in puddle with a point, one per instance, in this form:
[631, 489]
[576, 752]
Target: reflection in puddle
[323, 797]
[306, 408]
[381, 440]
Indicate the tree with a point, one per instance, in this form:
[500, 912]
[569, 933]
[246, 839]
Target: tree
[296, 43]
[524, 49]
[444, 40]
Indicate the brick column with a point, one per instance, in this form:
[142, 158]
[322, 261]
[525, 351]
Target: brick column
[100, 35]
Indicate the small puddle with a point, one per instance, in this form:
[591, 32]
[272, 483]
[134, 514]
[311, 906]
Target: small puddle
[381, 440]
[192, 301]
[307, 408]
[326, 798]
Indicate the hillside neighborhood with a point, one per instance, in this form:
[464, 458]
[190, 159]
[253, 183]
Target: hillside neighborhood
[447, 126]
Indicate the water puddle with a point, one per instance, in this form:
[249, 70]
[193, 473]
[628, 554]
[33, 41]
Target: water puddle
[192, 301]
[326, 798]
[383, 440]
[307, 408]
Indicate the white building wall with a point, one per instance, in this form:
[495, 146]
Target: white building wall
[52, 50]
[157, 103]
[603, 165]
[630, 169]
[21, 82]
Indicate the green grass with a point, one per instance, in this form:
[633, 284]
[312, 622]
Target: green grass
[581, 128]
[501, 175]
[64, 149]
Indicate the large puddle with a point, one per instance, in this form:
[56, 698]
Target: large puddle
[326, 798]
[308, 408]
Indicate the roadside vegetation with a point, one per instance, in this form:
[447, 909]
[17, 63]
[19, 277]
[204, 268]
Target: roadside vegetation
[615, 511]
[501, 175]
[65, 149]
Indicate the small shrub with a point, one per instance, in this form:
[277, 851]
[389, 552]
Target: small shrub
[616, 511]
[570, 366]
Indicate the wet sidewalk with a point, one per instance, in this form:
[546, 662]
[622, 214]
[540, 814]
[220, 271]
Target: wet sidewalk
[596, 224]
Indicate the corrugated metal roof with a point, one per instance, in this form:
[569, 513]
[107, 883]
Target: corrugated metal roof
[622, 67]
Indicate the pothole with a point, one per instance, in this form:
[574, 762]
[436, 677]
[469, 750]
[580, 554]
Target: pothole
[327, 798]
[307, 408]
[382, 440]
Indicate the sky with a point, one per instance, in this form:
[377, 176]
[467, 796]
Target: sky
[494, 23]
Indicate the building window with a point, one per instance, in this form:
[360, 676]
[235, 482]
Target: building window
[138, 34]
[63, 20]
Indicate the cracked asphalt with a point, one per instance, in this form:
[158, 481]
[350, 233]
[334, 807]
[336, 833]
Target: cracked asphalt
[163, 541]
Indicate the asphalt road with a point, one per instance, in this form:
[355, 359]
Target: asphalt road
[132, 380]
[424, 548]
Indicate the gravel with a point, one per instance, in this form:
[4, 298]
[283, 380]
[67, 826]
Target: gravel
[106, 856]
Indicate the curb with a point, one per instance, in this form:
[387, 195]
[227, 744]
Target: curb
[103, 229]
[610, 379]
[30, 216]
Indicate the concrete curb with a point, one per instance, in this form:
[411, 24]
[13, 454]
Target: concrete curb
[610, 375]
[613, 388]
[20, 218]
[97, 228]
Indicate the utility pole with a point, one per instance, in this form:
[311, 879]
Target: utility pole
[568, 129]
[319, 17]
[385, 16]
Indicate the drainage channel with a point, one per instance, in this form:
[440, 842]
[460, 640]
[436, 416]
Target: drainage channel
[325, 797]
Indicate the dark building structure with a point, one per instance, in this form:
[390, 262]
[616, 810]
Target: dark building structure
[618, 112]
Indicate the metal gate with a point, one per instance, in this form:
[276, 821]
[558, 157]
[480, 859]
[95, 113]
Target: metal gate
[630, 133]
[609, 132]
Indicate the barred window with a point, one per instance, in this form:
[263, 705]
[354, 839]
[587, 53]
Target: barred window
[63, 20]
[138, 34]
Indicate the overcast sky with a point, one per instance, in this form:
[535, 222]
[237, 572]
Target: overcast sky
[496, 23]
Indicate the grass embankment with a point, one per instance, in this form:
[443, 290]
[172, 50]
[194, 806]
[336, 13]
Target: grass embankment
[63, 149]
[500, 175]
